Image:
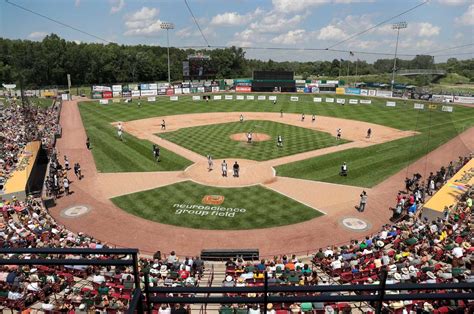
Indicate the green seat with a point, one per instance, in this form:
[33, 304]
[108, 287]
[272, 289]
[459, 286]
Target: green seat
[226, 310]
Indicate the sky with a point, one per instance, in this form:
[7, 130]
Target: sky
[292, 24]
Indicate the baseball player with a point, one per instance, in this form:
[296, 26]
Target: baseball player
[210, 163]
[339, 133]
[369, 133]
[241, 118]
[302, 117]
[119, 133]
[224, 168]
[156, 153]
[274, 102]
[236, 169]
[163, 125]
[281, 113]
[280, 141]
[313, 118]
[249, 137]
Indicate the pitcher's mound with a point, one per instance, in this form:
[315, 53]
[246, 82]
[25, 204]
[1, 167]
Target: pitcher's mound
[256, 137]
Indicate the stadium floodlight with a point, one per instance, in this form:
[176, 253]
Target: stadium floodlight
[168, 26]
[398, 26]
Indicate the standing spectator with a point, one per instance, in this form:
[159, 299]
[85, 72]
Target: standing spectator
[66, 185]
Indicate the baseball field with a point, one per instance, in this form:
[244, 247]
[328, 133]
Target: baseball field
[297, 184]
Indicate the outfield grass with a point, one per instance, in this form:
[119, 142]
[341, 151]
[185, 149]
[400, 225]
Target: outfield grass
[215, 140]
[367, 166]
[263, 207]
[130, 155]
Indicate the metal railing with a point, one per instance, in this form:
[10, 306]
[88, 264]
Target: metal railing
[136, 303]
[143, 301]
[268, 293]
[421, 72]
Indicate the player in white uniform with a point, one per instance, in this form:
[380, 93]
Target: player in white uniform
[120, 131]
[224, 168]
[241, 118]
[339, 133]
[280, 141]
[210, 162]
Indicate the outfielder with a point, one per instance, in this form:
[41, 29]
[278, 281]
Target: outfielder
[280, 141]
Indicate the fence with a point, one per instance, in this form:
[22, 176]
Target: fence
[143, 301]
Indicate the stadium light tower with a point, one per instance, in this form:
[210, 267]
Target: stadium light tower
[398, 26]
[168, 26]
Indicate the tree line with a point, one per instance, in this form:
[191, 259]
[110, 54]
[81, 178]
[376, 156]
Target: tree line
[47, 62]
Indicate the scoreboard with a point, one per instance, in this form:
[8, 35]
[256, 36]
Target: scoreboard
[199, 67]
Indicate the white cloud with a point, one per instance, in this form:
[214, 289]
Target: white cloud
[275, 22]
[331, 32]
[290, 38]
[184, 32]
[427, 30]
[117, 6]
[37, 35]
[452, 2]
[143, 22]
[300, 5]
[468, 17]
[229, 19]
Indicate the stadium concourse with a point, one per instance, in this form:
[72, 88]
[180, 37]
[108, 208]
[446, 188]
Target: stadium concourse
[412, 250]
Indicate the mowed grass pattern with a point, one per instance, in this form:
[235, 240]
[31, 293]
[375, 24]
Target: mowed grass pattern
[367, 166]
[130, 155]
[215, 140]
[263, 207]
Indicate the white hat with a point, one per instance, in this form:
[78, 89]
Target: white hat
[328, 309]
[405, 271]
[33, 270]
[156, 265]
[412, 269]
[431, 275]
[380, 243]
[228, 278]
[397, 276]
[392, 268]
[163, 267]
[82, 306]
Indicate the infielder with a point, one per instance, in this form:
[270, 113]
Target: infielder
[241, 118]
[163, 125]
[224, 168]
[339, 133]
[313, 118]
[369, 132]
[210, 163]
[302, 117]
[156, 153]
[249, 137]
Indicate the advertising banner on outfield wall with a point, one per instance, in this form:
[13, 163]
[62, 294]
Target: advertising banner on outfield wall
[447, 108]
[151, 92]
[217, 97]
[372, 92]
[107, 94]
[243, 89]
[215, 89]
[391, 104]
[127, 94]
[104, 101]
[366, 101]
[151, 99]
[250, 97]
[418, 106]
[329, 100]
[196, 97]
[340, 90]
[272, 97]
[364, 92]
[384, 93]
[178, 90]
[133, 86]
[353, 101]
[186, 90]
[96, 95]
[99, 88]
[341, 101]
[240, 97]
[262, 97]
[229, 97]
[116, 88]
[464, 99]
[174, 98]
[116, 94]
[169, 91]
[294, 98]
[135, 93]
[317, 99]
[352, 91]
[153, 86]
